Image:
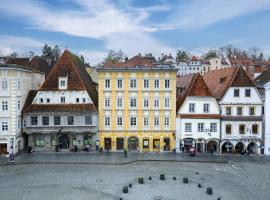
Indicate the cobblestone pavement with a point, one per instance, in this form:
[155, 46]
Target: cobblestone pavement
[233, 180]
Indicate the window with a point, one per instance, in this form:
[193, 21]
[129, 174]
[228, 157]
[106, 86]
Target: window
[236, 92]
[4, 84]
[133, 121]
[83, 99]
[45, 120]
[156, 121]
[167, 83]
[77, 100]
[119, 121]
[247, 93]
[119, 102]
[146, 83]
[206, 107]
[192, 107]
[166, 121]
[228, 111]
[145, 103]
[241, 129]
[107, 121]
[167, 102]
[156, 103]
[40, 141]
[188, 127]
[251, 110]
[255, 129]
[119, 83]
[156, 85]
[63, 99]
[156, 143]
[88, 120]
[19, 84]
[200, 127]
[107, 102]
[41, 100]
[57, 120]
[48, 100]
[4, 105]
[62, 83]
[145, 143]
[228, 129]
[19, 124]
[70, 120]
[4, 126]
[133, 103]
[133, 83]
[107, 83]
[145, 121]
[239, 110]
[213, 127]
[34, 120]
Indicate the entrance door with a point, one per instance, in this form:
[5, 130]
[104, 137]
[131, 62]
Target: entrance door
[63, 142]
[133, 144]
[3, 149]
[200, 147]
[166, 144]
[108, 143]
[119, 143]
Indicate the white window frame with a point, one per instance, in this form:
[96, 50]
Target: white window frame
[167, 83]
[146, 103]
[107, 121]
[119, 83]
[119, 102]
[107, 102]
[133, 121]
[133, 83]
[167, 102]
[213, 127]
[206, 107]
[188, 127]
[146, 83]
[156, 103]
[133, 102]
[107, 83]
[145, 121]
[4, 105]
[4, 126]
[156, 121]
[156, 83]
[167, 121]
[201, 127]
[120, 121]
[191, 107]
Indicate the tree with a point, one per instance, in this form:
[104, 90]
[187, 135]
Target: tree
[14, 55]
[261, 57]
[181, 56]
[56, 52]
[114, 56]
[254, 52]
[211, 54]
[47, 51]
[82, 58]
[31, 54]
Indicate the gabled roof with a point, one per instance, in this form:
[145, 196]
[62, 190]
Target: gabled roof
[262, 79]
[218, 81]
[29, 99]
[190, 85]
[71, 66]
[40, 64]
[19, 61]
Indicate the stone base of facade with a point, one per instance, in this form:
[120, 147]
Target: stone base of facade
[137, 141]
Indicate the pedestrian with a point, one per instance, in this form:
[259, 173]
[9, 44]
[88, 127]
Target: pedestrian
[11, 155]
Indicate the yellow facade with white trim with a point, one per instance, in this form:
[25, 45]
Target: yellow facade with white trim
[146, 135]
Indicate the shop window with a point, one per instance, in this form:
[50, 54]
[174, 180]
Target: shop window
[156, 143]
[146, 143]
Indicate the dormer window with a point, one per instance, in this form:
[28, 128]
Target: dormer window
[62, 83]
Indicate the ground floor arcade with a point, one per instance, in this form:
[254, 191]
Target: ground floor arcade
[201, 145]
[251, 146]
[137, 141]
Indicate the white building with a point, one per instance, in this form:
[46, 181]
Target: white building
[15, 82]
[241, 109]
[198, 116]
[267, 120]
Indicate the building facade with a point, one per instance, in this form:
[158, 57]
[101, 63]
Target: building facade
[198, 116]
[241, 110]
[137, 106]
[62, 114]
[15, 82]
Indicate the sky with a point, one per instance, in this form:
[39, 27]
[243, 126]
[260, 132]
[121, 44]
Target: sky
[92, 27]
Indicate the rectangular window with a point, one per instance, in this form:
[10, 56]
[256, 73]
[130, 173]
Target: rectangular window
[145, 121]
[133, 103]
[188, 127]
[206, 108]
[200, 127]
[41, 100]
[252, 111]
[48, 100]
[107, 121]
[119, 102]
[34, 120]
[19, 84]
[45, 120]
[4, 105]
[88, 120]
[236, 92]
[156, 85]
[228, 129]
[70, 120]
[167, 103]
[133, 83]
[156, 121]
[146, 83]
[57, 120]
[63, 83]
[107, 83]
[40, 141]
[192, 107]
[4, 84]
[77, 100]
[213, 127]
[63, 99]
[119, 83]
[119, 121]
[241, 129]
[239, 110]
[228, 111]
[167, 121]
[145, 143]
[107, 103]
[167, 83]
[255, 129]
[83, 99]
[145, 103]
[133, 121]
[156, 103]
[247, 93]
[4, 126]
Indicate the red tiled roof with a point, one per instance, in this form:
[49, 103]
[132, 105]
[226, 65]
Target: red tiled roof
[19, 61]
[29, 99]
[40, 64]
[70, 108]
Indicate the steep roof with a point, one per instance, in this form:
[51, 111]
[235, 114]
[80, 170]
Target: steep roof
[190, 85]
[40, 64]
[19, 61]
[71, 66]
[262, 79]
[29, 99]
[218, 81]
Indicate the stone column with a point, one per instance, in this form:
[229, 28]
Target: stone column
[267, 119]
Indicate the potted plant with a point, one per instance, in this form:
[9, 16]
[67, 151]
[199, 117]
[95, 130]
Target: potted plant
[162, 177]
[140, 180]
[185, 180]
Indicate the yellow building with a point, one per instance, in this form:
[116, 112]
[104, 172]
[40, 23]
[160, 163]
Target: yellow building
[137, 106]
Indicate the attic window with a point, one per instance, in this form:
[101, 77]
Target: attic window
[222, 80]
[62, 83]
[180, 89]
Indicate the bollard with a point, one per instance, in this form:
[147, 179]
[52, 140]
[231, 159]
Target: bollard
[150, 178]
[162, 177]
[130, 185]
[199, 185]
[174, 178]
[185, 180]
[140, 180]
[209, 190]
[125, 189]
